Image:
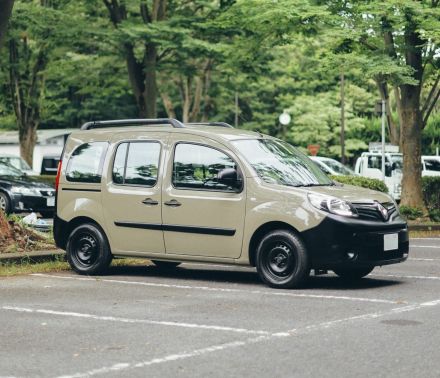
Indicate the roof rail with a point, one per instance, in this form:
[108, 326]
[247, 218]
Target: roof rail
[132, 122]
[220, 124]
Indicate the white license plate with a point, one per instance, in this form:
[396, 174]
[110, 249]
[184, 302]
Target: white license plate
[390, 242]
[51, 201]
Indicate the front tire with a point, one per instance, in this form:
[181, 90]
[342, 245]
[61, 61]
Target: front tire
[88, 251]
[5, 203]
[353, 274]
[282, 260]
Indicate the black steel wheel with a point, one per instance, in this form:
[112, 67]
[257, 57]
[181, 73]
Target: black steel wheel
[5, 203]
[353, 273]
[282, 260]
[166, 264]
[88, 251]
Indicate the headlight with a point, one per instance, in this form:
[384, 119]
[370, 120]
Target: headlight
[332, 205]
[25, 191]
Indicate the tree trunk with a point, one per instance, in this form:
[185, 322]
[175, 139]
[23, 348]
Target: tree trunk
[5, 13]
[411, 148]
[150, 94]
[28, 139]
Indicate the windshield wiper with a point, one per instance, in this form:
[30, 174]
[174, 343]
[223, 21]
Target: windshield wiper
[311, 184]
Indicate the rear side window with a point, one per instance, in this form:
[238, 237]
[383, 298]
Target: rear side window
[136, 163]
[85, 164]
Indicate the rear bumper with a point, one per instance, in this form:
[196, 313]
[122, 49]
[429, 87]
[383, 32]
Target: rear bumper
[343, 242]
[60, 232]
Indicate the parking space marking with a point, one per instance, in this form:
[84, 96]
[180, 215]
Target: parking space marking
[226, 290]
[236, 344]
[169, 358]
[422, 259]
[137, 321]
[406, 276]
[425, 246]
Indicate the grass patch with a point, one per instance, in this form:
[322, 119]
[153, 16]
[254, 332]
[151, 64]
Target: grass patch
[57, 265]
[424, 234]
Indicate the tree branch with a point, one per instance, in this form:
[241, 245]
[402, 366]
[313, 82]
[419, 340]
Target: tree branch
[429, 110]
[431, 93]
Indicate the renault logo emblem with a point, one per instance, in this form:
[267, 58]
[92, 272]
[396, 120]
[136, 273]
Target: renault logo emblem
[382, 210]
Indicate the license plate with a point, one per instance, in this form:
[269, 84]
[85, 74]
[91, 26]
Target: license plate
[390, 242]
[51, 201]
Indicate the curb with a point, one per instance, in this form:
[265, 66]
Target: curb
[36, 256]
[424, 227]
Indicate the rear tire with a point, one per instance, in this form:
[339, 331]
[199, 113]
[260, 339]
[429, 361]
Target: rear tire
[282, 261]
[166, 264]
[353, 274]
[88, 251]
[5, 203]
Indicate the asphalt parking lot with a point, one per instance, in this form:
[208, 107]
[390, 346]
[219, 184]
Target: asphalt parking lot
[208, 320]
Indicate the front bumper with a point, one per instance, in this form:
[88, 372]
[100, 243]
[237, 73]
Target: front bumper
[26, 203]
[339, 242]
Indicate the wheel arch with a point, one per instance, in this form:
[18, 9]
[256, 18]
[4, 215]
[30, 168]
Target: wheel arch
[68, 227]
[263, 230]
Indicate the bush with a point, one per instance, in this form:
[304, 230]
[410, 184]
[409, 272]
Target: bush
[410, 213]
[364, 182]
[431, 192]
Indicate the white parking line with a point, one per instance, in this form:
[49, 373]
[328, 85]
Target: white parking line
[422, 259]
[438, 239]
[235, 344]
[425, 246]
[406, 276]
[227, 290]
[137, 321]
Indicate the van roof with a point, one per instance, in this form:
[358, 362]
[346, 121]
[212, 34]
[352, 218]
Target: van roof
[211, 131]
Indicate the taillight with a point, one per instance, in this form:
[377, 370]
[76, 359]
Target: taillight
[57, 180]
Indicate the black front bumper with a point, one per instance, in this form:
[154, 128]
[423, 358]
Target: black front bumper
[26, 203]
[343, 242]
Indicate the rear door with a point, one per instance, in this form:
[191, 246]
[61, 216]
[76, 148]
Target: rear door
[200, 216]
[132, 197]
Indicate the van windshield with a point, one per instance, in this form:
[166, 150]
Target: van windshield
[277, 162]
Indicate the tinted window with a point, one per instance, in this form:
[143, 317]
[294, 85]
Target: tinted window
[196, 167]
[432, 165]
[375, 162]
[85, 164]
[136, 163]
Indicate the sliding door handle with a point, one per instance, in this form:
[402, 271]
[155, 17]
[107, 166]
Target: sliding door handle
[150, 201]
[173, 203]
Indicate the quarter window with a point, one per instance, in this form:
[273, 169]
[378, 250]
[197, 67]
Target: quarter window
[196, 167]
[136, 163]
[85, 164]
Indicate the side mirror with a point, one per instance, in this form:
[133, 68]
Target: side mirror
[229, 177]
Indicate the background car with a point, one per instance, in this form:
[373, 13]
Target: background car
[332, 166]
[19, 193]
[18, 163]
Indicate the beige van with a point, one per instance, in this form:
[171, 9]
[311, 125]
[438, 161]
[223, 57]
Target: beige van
[210, 193]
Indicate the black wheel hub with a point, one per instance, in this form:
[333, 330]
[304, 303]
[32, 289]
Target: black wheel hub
[280, 261]
[85, 250]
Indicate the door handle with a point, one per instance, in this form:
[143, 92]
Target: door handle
[173, 203]
[149, 201]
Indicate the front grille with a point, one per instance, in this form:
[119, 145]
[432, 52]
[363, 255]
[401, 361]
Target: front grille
[371, 211]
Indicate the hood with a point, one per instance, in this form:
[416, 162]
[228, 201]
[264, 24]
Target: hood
[350, 193]
[23, 181]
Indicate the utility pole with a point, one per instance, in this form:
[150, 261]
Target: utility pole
[342, 118]
[236, 110]
[383, 139]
